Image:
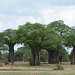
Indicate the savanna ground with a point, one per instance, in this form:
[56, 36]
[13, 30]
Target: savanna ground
[23, 68]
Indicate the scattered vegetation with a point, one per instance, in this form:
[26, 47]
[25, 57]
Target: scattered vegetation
[58, 67]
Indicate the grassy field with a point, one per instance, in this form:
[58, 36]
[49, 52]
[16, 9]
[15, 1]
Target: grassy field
[23, 68]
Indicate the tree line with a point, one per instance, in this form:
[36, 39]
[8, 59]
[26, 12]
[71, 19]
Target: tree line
[53, 38]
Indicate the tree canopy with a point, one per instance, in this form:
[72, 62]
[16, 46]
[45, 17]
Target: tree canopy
[37, 36]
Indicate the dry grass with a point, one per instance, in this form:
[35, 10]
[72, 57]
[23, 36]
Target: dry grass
[23, 68]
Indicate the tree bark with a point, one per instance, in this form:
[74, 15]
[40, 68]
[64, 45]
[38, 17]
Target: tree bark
[35, 59]
[53, 56]
[32, 62]
[73, 56]
[11, 53]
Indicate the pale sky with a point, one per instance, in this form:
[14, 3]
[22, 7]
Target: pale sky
[17, 12]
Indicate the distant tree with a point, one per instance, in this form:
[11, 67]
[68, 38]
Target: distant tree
[5, 56]
[61, 30]
[19, 55]
[4, 49]
[43, 55]
[23, 54]
[27, 56]
[53, 53]
[63, 55]
[24, 48]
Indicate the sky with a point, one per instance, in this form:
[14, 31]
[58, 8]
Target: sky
[17, 12]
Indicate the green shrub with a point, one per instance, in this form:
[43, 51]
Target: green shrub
[1, 65]
[6, 62]
[58, 67]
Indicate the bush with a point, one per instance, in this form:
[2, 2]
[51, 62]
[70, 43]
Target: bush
[27, 56]
[58, 67]
[19, 55]
[4, 56]
[6, 62]
[1, 65]
[1, 62]
[43, 55]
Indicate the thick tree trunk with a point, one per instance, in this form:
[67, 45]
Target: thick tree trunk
[35, 59]
[32, 62]
[73, 56]
[49, 56]
[53, 56]
[11, 53]
[60, 58]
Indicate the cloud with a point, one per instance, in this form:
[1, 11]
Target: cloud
[30, 7]
[16, 21]
[2, 26]
[22, 20]
[17, 12]
[48, 15]
[14, 12]
[65, 13]
[68, 15]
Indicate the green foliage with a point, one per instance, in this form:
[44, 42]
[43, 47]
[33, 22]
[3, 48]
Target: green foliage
[62, 30]
[43, 55]
[10, 36]
[23, 54]
[70, 40]
[36, 34]
[58, 67]
[6, 62]
[19, 55]
[1, 38]
[5, 56]
[27, 56]
[60, 27]
[4, 47]
[1, 65]
[63, 55]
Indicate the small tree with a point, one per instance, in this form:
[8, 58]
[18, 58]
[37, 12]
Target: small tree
[63, 55]
[19, 55]
[43, 55]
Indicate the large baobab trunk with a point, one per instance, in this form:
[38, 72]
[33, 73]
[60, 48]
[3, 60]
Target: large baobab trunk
[32, 62]
[53, 56]
[11, 53]
[35, 59]
[73, 56]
